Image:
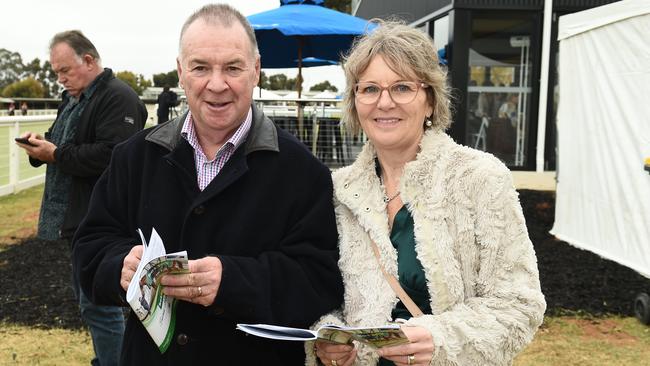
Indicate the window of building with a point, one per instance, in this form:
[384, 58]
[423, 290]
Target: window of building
[441, 32]
[500, 88]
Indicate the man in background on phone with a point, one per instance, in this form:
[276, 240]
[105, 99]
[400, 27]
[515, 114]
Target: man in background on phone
[98, 111]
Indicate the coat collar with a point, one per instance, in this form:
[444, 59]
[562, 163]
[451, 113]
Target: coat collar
[361, 175]
[262, 135]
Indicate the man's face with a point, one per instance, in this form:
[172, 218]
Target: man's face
[218, 71]
[73, 72]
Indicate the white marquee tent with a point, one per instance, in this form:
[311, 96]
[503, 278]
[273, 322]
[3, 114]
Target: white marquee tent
[264, 94]
[603, 191]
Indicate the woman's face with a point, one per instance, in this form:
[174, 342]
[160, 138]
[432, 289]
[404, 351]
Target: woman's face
[388, 125]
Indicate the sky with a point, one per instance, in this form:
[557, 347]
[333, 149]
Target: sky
[137, 35]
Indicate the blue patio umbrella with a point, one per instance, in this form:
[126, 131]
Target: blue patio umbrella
[313, 61]
[304, 29]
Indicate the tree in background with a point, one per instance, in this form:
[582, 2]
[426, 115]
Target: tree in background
[281, 82]
[26, 88]
[291, 84]
[264, 81]
[137, 83]
[12, 70]
[11, 67]
[277, 82]
[169, 79]
[44, 73]
[340, 5]
[325, 85]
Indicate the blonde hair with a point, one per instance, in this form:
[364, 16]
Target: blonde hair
[410, 53]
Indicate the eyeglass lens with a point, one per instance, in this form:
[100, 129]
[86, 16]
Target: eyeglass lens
[402, 92]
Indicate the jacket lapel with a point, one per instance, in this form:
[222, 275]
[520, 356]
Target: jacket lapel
[423, 188]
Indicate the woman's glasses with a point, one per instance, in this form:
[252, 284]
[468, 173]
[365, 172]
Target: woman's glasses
[401, 92]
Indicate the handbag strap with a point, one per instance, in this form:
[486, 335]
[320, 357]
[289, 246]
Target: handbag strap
[397, 288]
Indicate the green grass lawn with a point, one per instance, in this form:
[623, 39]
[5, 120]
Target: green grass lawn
[561, 341]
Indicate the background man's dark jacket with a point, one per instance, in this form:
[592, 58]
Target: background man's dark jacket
[113, 114]
[268, 216]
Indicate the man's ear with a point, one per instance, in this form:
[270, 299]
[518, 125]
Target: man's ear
[258, 68]
[179, 72]
[89, 60]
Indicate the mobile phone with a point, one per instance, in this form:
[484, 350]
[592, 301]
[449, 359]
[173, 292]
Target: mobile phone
[24, 140]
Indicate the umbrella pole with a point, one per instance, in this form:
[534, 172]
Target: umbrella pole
[299, 87]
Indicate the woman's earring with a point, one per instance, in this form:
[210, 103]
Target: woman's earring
[428, 123]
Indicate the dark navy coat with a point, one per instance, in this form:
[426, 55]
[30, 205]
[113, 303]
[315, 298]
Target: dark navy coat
[268, 216]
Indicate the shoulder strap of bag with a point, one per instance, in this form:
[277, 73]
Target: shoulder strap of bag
[397, 288]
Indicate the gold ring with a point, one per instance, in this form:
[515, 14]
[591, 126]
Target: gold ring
[333, 362]
[410, 359]
[200, 291]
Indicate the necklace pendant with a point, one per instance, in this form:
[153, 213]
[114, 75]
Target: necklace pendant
[388, 199]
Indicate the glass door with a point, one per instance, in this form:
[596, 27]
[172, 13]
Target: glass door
[500, 84]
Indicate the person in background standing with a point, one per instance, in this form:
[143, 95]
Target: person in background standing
[23, 108]
[98, 111]
[166, 100]
[12, 109]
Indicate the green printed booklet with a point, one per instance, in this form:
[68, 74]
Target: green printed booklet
[156, 311]
[381, 336]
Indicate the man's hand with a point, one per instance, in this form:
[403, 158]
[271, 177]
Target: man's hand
[200, 286]
[42, 150]
[131, 262]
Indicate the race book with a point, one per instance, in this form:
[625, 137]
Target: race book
[155, 310]
[381, 336]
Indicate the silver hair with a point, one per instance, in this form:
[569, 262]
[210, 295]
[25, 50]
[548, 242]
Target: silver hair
[222, 14]
[78, 42]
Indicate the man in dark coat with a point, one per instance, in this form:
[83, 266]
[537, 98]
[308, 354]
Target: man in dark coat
[248, 202]
[98, 111]
[166, 100]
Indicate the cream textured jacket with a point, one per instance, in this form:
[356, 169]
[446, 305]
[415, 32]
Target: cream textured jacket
[471, 239]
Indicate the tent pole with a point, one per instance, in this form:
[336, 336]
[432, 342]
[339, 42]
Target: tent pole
[543, 85]
[299, 87]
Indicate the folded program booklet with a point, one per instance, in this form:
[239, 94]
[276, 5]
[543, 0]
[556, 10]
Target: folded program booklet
[145, 296]
[381, 336]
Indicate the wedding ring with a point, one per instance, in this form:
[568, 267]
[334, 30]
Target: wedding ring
[200, 291]
[333, 362]
[410, 359]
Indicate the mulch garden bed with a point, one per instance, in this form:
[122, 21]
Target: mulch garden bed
[35, 276]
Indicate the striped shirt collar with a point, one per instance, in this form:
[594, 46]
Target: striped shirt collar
[206, 169]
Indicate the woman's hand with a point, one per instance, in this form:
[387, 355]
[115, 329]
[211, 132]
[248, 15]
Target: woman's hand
[331, 354]
[418, 352]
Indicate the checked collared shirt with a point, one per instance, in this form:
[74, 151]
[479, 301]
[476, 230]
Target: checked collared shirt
[206, 169]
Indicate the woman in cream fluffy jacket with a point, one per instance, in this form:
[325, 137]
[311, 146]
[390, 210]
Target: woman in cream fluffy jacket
[446, 219]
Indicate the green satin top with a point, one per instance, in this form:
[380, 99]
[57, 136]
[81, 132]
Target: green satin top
[409, 268]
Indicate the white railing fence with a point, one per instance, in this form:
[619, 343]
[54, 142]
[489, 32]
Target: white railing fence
[16, 173]
[319, 129]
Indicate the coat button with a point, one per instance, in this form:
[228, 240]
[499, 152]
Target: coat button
[182, 339]
[199, 210]
[346, 185]
[356, 195]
